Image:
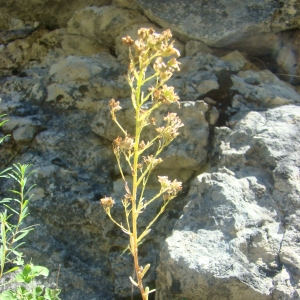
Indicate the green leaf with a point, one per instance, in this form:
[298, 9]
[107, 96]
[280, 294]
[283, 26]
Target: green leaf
[19, 237]
[39, 270]
[25, 275]
[38, 291]
[8, 295]
[52, 294]
[23, 292]
[5, 200]
[26, 270]
[17, 213]
[12, 270]
[20, 278]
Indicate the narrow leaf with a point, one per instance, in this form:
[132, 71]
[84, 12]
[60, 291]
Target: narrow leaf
[17, 213]
[146, 268]
[5, 200]
[19, 237]
[12, 270]
[133, 282]
[143, 234]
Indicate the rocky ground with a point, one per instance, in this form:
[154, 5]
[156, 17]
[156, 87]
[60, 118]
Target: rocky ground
[233, 233]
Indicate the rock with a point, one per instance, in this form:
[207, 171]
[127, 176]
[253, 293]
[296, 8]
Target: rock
[24, 129]
[12, 35]
[70, 44]
[288, 59]
[287, 16]
[5, 62]
[237, 237]
[238, 229]
[125, 4]
[263, 89]
[205, 75]
[249, 44]
[4, 20]
[193, 47]
[63, 157]
[22, 49]
[238, 61]
[103, 24]
[17, 24]
[82, 81]
[51, 14]
[218, 23]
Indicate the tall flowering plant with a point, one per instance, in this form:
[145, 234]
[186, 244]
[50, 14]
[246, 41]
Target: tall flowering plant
[150, 49]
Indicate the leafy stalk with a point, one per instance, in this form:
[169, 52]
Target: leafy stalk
[150, 49]
[12, 234]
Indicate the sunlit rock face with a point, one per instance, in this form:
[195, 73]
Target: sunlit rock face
[233, 232]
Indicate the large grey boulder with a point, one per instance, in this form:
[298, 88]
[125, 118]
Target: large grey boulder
[237, 237]
[224, 244]
[232, 24]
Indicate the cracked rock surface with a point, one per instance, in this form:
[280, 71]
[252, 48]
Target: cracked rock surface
[233, 233]
[239, 231]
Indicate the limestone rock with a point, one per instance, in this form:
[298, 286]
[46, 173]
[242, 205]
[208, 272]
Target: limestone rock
[81, 81]
[103, 23]
[263, 89]
[22, 48]
[237, 234]
[125, 3]
[5, 61]
[217, 23]
[49, 13]
[237, 237]
[4, 20]
[288, 58]
[201, 248]
[238, 61]
[287, 16]
[193, 47]
[8, 36]
[70, 44]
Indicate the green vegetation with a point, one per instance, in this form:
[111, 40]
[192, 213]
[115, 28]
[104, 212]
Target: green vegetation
[13, 212]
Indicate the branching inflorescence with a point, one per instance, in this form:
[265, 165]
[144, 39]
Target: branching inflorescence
[149, 48]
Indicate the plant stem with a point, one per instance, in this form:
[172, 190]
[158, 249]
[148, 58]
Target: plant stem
[134, 242]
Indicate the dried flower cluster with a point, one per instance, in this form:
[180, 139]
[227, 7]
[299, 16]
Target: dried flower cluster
[107, 202]
[149, 48]
[170, 189]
